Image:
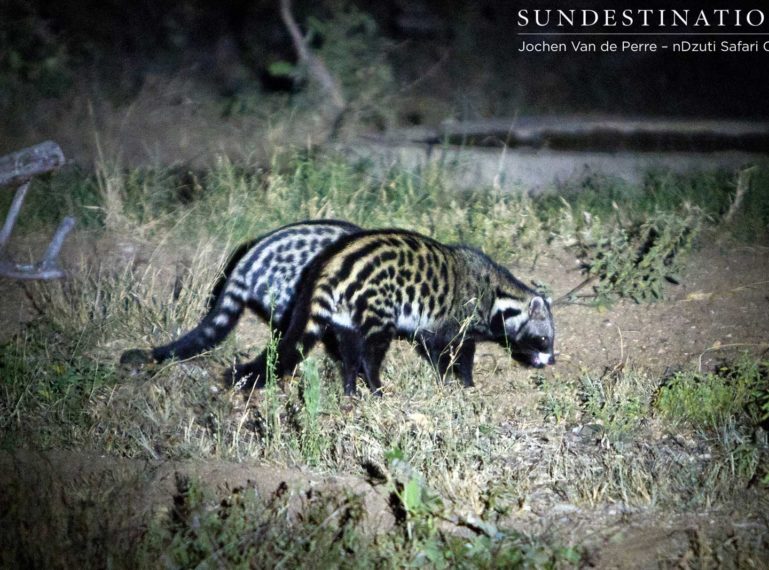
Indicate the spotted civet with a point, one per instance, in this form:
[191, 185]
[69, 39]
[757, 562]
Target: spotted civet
[373, 286]
[262, 275]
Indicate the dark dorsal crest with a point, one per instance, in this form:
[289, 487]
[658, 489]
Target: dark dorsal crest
[538, 309]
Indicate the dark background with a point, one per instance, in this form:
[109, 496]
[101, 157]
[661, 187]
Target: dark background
[463, 52]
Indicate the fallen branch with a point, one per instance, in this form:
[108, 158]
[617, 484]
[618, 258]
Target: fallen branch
[565, 297]
[21, 166]
[47, 268]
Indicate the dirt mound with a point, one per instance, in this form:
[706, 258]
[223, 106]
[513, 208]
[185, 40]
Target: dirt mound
[69, 503]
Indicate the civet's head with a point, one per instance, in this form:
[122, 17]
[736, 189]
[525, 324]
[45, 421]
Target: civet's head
[527, 327]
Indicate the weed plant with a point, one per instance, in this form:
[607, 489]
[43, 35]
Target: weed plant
[737, 392]
[619, 401]
[730, 408]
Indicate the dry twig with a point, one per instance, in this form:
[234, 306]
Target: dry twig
[316, 67]
[743, 183]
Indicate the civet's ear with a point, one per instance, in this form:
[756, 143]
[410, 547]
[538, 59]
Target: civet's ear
[549, 301]
[537, 308]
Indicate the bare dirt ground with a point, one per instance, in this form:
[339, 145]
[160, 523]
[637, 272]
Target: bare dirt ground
[718, 310]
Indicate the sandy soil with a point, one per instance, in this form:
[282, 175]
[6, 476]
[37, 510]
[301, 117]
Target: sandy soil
[718, 309]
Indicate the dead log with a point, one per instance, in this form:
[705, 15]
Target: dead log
[593, 132]
[21, 166]
[645, 133]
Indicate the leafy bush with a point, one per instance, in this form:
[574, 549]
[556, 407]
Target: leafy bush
[32, 54]
[356, 55]
[635, 259]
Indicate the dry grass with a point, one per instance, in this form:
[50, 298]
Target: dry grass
[521, 444]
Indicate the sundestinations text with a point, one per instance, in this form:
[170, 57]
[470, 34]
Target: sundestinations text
[643, 17]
